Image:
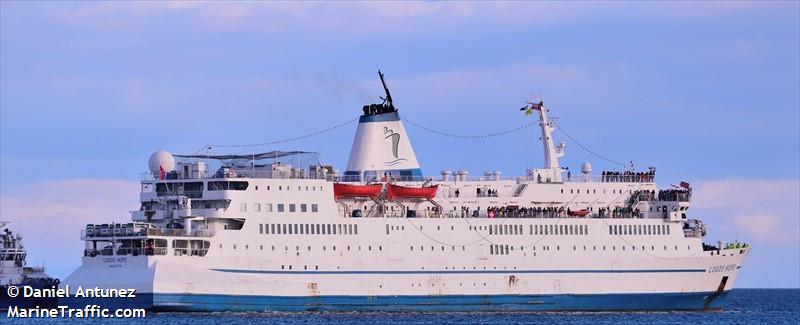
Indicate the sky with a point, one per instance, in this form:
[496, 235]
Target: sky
[705, 91]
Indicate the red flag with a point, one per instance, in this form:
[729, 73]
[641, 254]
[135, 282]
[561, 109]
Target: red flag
[686, 185]
[161, 173]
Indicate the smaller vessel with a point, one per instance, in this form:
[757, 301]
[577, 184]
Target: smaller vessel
[13, 272]
[395, 192]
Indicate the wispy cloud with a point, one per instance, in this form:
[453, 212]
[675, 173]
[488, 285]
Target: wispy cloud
[765, 211]
[51, 214]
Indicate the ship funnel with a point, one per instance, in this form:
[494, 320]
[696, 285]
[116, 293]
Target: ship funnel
[381, 147]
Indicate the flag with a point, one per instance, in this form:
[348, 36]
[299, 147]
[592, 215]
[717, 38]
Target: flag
[686, 185]
[161, 173]
[532, 107]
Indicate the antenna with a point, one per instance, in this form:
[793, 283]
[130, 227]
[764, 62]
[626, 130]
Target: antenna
[388, 99]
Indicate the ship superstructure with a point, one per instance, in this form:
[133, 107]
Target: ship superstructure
[14, 271]
[261, 233]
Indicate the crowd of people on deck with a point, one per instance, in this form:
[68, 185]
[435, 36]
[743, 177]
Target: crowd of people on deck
[628, 176]
[682, 195]
[545, 212]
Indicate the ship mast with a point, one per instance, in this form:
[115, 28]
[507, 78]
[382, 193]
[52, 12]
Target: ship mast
[551, 171]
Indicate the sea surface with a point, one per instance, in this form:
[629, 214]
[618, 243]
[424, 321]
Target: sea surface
[744, 306]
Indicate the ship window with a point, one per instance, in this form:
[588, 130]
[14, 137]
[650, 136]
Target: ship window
[268, 207]
[224, 186]
[257, 207]
[667, 229]
[280, 207]
[314, 208]
[292, 207]
[324, 230]
[303, 207]
[272, 228]
[261, 228]
[340, 228]
[355, 227]
[283, 227]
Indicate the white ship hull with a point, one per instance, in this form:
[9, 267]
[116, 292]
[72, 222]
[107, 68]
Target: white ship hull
[380, 276]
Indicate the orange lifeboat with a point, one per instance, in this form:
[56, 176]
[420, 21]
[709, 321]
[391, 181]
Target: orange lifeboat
[403, 192]
[347, 190]
[579, 213]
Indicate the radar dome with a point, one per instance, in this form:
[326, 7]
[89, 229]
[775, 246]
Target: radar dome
[161, 160]
[586, 168]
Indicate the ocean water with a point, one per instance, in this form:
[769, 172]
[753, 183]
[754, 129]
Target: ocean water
[744, 306]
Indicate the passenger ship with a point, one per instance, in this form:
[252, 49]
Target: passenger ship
[261, 233]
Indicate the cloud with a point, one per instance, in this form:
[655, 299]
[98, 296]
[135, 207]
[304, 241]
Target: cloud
[420, 19]
[762, 227]
[764, 211]
[746, 194]
[50, 215]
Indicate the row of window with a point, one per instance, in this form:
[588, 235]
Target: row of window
[638, 229]
[504, 249]
[559, 230]
[242, 186]
[267, 207]
[299, 188]
[500, 249]
[613, 191]
[307, 229]
[493, 249]
[534, 229]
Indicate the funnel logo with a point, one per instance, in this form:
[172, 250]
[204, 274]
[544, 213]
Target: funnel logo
[394, 137]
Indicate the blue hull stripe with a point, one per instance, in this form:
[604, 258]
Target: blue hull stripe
[638, 301]
[460, 271]
[501, 302]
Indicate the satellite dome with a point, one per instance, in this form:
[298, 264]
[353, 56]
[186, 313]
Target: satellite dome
[586, 168]
[161, 160]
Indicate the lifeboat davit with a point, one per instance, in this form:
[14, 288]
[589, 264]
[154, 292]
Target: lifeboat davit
[403, 192]
[347, 190]
[579, 213]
